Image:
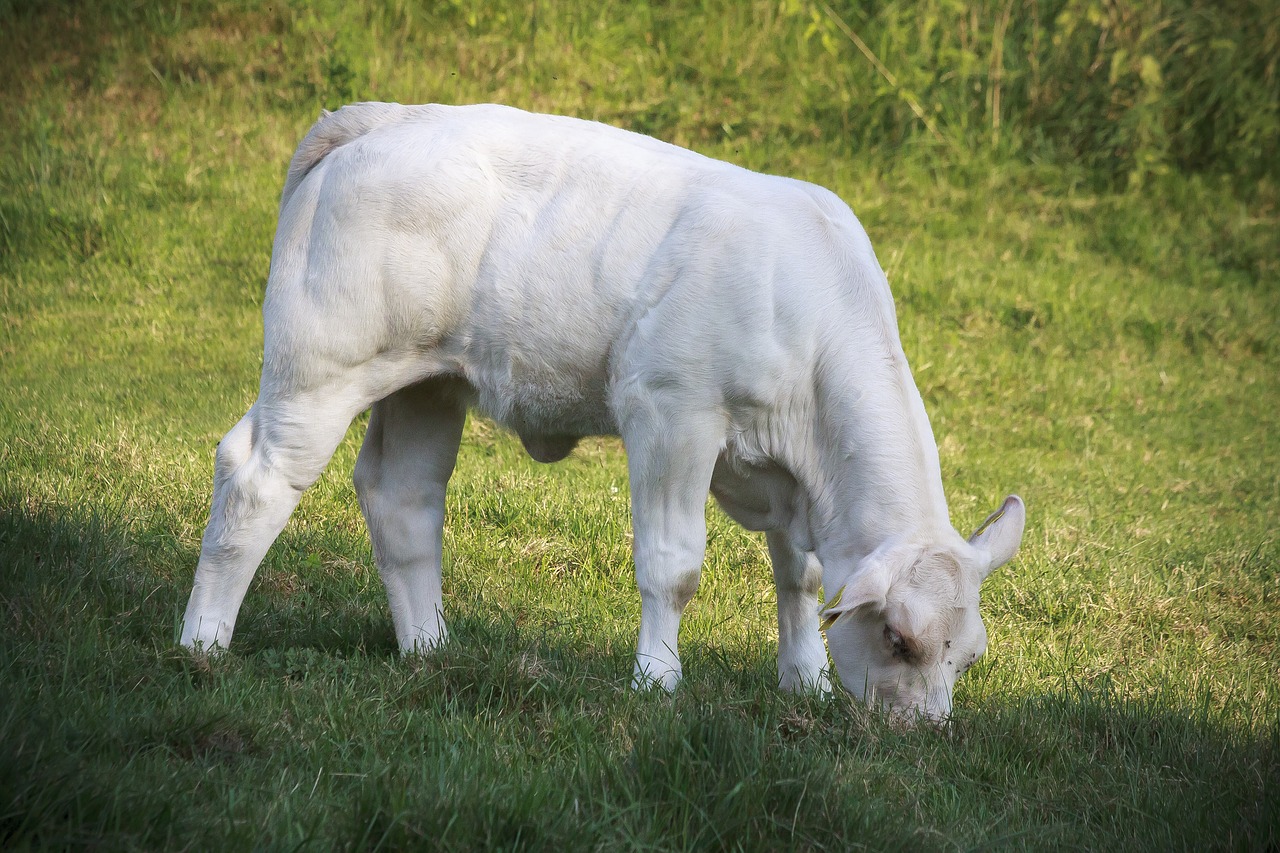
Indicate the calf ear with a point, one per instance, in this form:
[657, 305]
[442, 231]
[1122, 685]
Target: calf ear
[1001, 534]
[868, 589]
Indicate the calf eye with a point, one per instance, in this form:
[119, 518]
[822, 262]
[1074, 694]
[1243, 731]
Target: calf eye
[901, 646]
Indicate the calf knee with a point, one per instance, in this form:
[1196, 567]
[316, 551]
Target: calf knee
[676, 590]
[365, 477]
[683, 587]
[235, 449]
[810, 580]
[795, 571]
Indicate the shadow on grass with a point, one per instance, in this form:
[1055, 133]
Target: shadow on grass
[512, 738]
[72, 569]
[725, 770]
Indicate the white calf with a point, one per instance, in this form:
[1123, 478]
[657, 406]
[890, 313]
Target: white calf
[570, 279]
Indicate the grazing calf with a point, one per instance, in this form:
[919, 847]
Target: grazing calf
[568, 279]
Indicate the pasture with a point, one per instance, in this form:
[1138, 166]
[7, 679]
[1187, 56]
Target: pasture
[1085, 265]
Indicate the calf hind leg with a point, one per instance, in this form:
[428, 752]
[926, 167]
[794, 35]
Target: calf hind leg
[401, 475]
[263, 465]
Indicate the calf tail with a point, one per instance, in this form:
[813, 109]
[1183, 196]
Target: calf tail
[332, 131]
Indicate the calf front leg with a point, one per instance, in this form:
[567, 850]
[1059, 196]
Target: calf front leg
[802, 657]
[670, 464]
[401, 475]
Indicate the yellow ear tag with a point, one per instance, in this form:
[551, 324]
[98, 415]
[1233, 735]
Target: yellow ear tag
[991, 519]
[828, 621]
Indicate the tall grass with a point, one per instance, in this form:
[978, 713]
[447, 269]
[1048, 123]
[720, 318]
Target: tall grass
[1125, 90]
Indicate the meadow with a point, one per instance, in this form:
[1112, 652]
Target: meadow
[1076, 203]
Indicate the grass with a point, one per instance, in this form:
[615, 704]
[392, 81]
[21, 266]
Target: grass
[1108, 350]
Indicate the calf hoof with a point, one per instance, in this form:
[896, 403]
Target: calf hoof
[422, 642]
[203, 639]
[647, 679]
[796, 682]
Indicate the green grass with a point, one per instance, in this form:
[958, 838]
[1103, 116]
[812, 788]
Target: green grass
[1105, 345]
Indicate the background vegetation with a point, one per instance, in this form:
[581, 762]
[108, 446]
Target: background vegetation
[1076, 203]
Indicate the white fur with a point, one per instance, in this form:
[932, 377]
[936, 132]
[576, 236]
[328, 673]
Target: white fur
[567, 278]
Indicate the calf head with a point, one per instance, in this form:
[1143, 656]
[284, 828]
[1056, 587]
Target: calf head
[906, 626]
